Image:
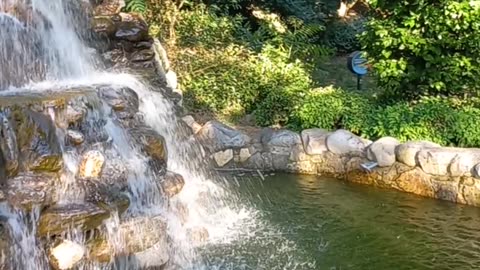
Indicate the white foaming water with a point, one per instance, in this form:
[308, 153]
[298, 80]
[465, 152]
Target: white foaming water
[67, 55]
[26, 253]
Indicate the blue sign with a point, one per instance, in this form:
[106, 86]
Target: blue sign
[357, 63]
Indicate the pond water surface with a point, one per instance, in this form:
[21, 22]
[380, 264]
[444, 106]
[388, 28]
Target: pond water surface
[307, 222]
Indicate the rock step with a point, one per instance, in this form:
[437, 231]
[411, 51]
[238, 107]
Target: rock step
[60, 218]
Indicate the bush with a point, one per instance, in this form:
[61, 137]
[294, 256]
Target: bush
[423, 47]
[343, 34]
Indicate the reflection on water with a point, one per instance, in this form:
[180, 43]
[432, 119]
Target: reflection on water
[306, 222]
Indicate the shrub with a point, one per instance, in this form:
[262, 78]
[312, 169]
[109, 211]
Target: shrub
[466, 131]
[343, 34]
[421, 47]
[332, 108]
[203, 27]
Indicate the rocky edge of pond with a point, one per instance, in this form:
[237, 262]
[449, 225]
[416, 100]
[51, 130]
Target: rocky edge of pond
[420, 167]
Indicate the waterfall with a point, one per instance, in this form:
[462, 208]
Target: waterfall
[43, 49]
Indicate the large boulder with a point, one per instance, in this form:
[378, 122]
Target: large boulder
[437, 161]
[314, 141]
[216, 136]
[464, 163]
[407, 153]
[343, 142]
[382, 151]
[445, 160]
[281, 142]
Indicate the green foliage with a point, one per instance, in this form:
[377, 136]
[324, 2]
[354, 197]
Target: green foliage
[466, 131]
[231, 69]
[136, 6]
[422, 47]
[343, 34]
[202, 27]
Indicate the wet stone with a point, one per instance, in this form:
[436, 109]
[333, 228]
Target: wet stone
[115, 172]
[172, 184]
[138, 234]
[75, 137]
[152, 143]
[65, 255]
[5, 246]
[131, 31]
[60, 218]
[104, 26]
[106, 196]
[142, 56]
[28, 189]
[8, 148]
[73, 115]
[39, 145]
[122, 99]
[91, 164]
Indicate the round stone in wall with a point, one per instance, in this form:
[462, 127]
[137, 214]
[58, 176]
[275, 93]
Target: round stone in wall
[406, 153]
[382, 151]
[343, 142]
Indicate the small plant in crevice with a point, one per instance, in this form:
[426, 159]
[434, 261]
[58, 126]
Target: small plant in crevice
[139, 6]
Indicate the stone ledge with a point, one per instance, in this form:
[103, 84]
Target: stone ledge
[419, 167]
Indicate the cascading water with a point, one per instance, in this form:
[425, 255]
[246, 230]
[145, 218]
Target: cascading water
[41, 49]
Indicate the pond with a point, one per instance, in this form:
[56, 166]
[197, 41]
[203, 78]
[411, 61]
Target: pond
[307, 222]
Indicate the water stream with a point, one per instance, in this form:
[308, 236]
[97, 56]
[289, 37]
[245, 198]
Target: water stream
[53, 57]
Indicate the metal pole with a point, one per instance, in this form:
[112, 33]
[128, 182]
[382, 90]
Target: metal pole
[359, 82]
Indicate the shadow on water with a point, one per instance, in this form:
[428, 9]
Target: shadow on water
[316, 223]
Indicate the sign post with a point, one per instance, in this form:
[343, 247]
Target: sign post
[357, 64]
